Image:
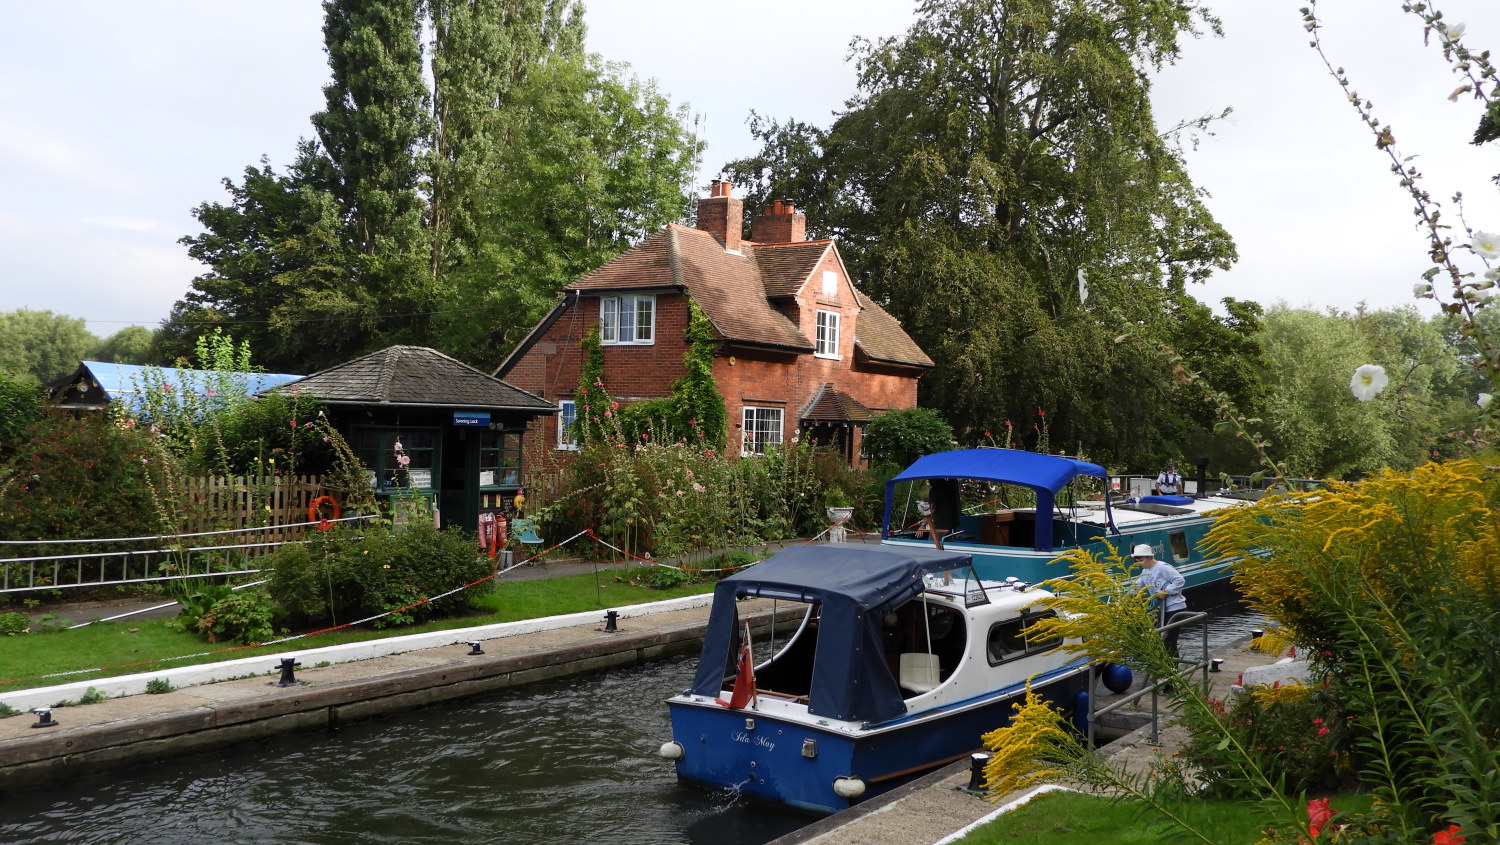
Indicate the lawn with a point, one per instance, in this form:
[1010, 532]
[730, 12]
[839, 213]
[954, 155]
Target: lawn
[1076, 817]
[106, 649]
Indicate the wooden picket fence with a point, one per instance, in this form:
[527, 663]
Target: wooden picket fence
[219, 503]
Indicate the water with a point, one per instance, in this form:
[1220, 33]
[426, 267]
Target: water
[564, 762]
[571, 761]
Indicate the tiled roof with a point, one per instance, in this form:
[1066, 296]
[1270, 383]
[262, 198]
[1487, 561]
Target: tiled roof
[832, 404]
[734, 290]
[879, 336]
[785, 267]
[415, 375]
[728, 287]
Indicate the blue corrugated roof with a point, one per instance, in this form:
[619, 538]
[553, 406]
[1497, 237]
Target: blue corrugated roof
[124, 382]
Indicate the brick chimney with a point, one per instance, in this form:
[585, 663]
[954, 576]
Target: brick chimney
[722, 216]
[780, 224]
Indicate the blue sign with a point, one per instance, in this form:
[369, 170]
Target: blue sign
[479, 418]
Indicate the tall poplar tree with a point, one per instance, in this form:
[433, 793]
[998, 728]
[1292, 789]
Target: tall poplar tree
[996, 155]
[444, 200]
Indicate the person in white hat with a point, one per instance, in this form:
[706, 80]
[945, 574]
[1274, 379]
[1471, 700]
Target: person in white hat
[1164, 583]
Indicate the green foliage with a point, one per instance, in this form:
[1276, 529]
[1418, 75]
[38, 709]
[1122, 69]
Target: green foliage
[448, 197]
[90, 696]
[6, 710]
[158, 686]
[990, 156]
[130, 345]
[1047, 819]
[662, 577]
[1392, 584]
[592, 397]
[344, 575]
[20, 407]
[88, 476]
[14, 623]
[701, 409]
[1293, 733]
[40, 346]
[902, 435]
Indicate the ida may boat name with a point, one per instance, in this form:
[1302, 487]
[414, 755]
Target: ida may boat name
[903, 659]
[1023, 541]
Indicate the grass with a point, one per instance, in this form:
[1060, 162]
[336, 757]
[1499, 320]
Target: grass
[1076, 817]
[107, 649]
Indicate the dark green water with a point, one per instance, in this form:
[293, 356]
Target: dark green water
[565, 762]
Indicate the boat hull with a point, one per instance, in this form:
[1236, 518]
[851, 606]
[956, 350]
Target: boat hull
[778, 756]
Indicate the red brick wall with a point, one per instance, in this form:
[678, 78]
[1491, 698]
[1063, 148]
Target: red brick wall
[551, 367]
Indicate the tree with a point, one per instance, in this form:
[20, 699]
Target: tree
[995, 154]
[130, 345]
[41, 345]
[443, 203]
[905, 434]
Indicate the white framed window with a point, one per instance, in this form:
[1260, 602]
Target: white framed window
[830, 283]
[762, 430]
[828, 335]
[627, 319]
[567, 415]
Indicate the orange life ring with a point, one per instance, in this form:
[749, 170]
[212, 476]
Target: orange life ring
[314, 511]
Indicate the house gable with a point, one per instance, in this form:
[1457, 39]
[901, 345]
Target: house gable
[785, 338]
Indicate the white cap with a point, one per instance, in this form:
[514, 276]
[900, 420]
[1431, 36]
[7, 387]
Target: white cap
[1143, 550]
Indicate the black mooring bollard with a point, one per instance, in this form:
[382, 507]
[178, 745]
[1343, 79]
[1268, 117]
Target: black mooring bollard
[287, 678]
[1215, 663]
[44, 718]
[474, 647]
[610, 619]
[977, 762]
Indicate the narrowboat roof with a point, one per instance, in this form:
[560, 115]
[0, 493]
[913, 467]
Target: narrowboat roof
[1006, 466]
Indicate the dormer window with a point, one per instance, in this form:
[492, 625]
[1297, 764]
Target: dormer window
[627, 320]
[828, 335]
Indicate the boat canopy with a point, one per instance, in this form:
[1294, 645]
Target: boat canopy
[855, 585]
[1045, 474]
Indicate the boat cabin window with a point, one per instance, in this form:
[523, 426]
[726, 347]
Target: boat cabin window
[924, 644]
[1179, 543]
[1009, 640]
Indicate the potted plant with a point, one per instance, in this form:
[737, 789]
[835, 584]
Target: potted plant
[838, 504]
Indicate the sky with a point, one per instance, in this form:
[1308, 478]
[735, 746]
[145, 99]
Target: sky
[116, 120]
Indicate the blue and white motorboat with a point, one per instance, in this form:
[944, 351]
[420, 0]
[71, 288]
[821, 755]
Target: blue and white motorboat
[958, 501]
[904, 658]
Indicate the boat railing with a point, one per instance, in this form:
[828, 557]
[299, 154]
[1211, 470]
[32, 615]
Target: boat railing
[1185, 667]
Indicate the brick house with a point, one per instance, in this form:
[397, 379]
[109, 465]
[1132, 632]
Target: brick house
[802, 350]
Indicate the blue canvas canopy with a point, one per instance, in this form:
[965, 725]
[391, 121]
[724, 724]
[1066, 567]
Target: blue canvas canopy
[855, 585]
[1044, 474]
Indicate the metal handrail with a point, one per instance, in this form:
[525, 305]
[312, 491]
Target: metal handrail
[1154, 688]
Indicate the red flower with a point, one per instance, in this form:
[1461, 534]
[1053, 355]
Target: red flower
[1041, 413]
[1318, 815]
[1448, 837]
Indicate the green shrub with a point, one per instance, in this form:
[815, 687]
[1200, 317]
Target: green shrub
[905, 434]
[243, 617]
[1291, 732]
[347, 574]
[14, 623]
[157, 686]
[662, 577]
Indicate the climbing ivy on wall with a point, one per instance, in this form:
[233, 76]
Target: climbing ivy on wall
[592, 399]
[700, 405]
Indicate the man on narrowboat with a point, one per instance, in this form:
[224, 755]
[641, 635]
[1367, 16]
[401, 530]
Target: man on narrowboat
[1167, 481]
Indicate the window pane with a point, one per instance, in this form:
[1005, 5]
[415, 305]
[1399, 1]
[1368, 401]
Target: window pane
[828, 334]
[645, 318]
[566, 437]
[608, 319]
[762, 430]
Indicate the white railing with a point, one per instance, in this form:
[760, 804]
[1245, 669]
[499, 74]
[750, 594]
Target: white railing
[176, 559]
